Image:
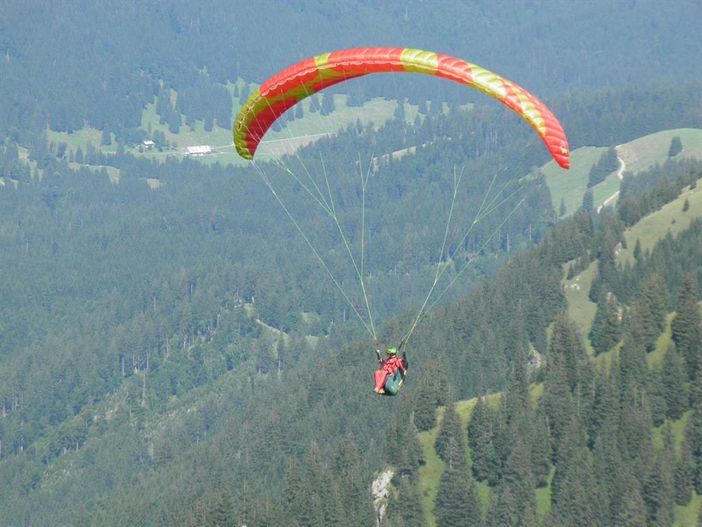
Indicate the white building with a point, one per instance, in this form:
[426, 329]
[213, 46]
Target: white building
[199, 150]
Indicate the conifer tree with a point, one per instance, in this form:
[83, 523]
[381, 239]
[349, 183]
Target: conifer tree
[693, 438]
[402, 446]
[353, 483]
[588, 201]
[604, 413]
[517, 403]
[541, 450]
[578, 503]
[631, 509]
[457, 503]
[607, 164]
[683, 475]
[566, 350]
[637, 250]
[573, 438]
[631, 367]
[325, 502]
[327, 105]
[686, 328]
[425, 406]
[295, 499]
[607, 465]
[406, 508]
[650, 309]
[221, 511]
[516, 488]
[656, 391]
[480, 439]
[605, 331]
[673, 380]
[563, 359]
[658, 491]
[450, 432]
[675, 146]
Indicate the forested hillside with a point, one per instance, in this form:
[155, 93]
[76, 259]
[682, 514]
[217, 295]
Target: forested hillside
[609, 436]
[185, 341]
[132, 52]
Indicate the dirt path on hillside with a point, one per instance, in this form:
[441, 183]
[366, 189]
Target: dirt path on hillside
[620, 175]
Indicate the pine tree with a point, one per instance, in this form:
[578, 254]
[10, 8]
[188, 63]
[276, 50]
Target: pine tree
[353, 483]
[607, 164]
[480, 439]
[517, 402]
[450, 432]
[296, 497]
[221, 512]
[686, 328]
[655, 390]
[683, 476]
[323, 494]
[605, 331]
[604, 414]
[650, 308]
[588, 201]
[693, 439]
[516, 488]
[425, 406]
[675, 146]
[631, 511]
[608, 467]
[541, 450]
[327, 106]
[406, 508]
[566, 350]
[637, 250]
[658, 491]
[673, 380]
[577, 503]
[457, 503]
[573, 438]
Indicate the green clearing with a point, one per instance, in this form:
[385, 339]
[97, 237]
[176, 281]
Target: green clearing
[678, 427]
[571, 185]
[669, 219]
[112, 172]
[543, 496]
[606, 192]
[638, 155]
[296, 134]
[665, 339]
[80, 138]
[580, 308]
[688, 515]
[429, 475]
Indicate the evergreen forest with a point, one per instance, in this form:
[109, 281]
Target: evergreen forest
[189, 340]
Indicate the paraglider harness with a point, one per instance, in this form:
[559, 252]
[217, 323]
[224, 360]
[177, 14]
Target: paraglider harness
[393, 371]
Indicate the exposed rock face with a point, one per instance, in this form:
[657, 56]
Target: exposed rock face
[380, 489]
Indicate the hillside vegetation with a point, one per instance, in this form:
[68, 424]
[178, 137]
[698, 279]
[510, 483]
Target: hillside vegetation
[174, 351]
[584, 388]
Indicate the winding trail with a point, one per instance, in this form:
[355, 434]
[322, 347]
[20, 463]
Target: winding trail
[620, 175]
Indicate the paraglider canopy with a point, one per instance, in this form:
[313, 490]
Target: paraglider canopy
[286, 88]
